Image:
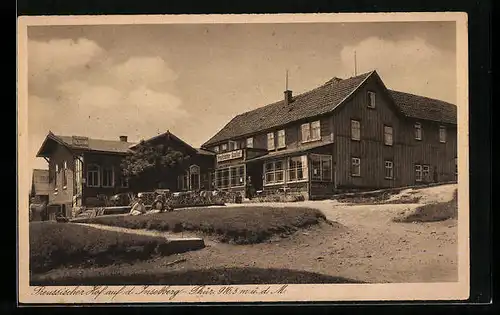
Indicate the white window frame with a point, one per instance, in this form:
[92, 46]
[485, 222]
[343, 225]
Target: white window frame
[371, 99]
[418, 131]
[322, 159]
[56, 173]
[316, 125]
[250, 142]
[217, 180]
[274, 171]
[281, 139]
[388, 135]
[216, 149]
[270, 141]
[442, 134]
[389, 165]
[98, 172]
[104, 169]
[65, 175]
[418, 172]
[355, 162]
[355, 130]
[223, 147]
[303, 167]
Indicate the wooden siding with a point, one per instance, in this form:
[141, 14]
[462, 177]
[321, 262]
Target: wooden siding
[62, 195]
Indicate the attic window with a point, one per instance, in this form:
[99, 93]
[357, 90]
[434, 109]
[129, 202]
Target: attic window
[371, 99]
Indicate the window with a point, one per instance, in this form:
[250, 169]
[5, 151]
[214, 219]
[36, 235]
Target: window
[297, 168]
[216, 149]
[78, 175]
[442, 134]
[355, 130]
[182, 181]
[418, 131]
[233, 145]
[388, 139]
[321, 167]
[418, 173]
[426, 174]
[355, 166]
[270, 141]
[108, 177]
[233, 176]
[65, 176]
[311, 131]
[389, 170]
[281, 139]
[223, 147]
[250, 143]
[315, 130]
[274, 172]
[56, 174]
[371, 99]
[93, 178]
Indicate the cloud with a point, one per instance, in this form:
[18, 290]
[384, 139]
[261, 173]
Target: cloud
[141, 70]
[399, 63]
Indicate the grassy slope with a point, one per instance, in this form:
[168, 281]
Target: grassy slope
[212, 276]
[240, 225]
[53, 245]
[431, 212]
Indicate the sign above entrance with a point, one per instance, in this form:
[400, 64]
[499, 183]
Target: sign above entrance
[80, 141]
[230, 155]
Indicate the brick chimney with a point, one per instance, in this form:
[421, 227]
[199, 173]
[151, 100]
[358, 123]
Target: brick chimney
[288, 97]
[123, 138]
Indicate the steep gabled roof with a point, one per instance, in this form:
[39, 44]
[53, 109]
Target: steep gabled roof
[179, 140]
[316, 102]
[95, 145]
[425, 108]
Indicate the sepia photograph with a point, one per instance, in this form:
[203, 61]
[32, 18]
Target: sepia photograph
[243, 158]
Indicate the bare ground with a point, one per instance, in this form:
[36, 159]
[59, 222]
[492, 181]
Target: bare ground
[365, 245]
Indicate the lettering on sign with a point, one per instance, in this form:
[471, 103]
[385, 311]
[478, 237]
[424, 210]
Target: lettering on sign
[80, 141]
[230, 155]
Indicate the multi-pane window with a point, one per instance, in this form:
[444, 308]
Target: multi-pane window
[442, 134]
[388, 135]
[297, 168]
[270, 141]
[274, 172]
[389, 170]
[108, 176]
[355, 130]
[223, 147]
[233, 176]
[418, 173]
[321, 168]
[250, 142]
[78, 175]
[216, 149]
[311, 131]
[355, 166]
[182, 181]
[93, 175]
[233, 145]
[418, 131]
[371, 99]
[281, 139]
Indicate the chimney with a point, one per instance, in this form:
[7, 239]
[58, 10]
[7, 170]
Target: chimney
[288, 97]
[123, 138]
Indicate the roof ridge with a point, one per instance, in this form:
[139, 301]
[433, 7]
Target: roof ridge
[421, 96]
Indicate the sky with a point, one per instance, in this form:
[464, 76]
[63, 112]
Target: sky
[103, 81]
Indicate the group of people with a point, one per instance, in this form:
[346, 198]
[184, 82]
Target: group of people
[158, 206]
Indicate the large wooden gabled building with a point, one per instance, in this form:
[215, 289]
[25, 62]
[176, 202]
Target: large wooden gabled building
[347, 134]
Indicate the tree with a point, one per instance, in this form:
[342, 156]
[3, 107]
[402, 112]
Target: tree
[147, 159]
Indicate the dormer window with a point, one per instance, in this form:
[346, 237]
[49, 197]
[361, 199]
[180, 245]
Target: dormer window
[371, 99]
[270, 141]
[418, 131]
